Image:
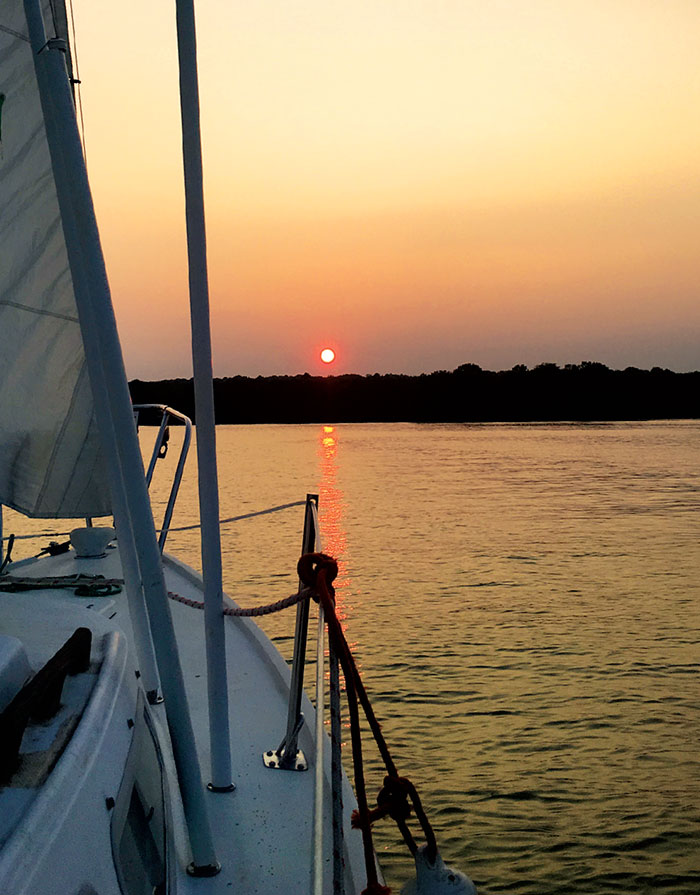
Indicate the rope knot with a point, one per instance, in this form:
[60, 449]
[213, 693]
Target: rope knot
[393, 797]
[310, 565]
[392, 800]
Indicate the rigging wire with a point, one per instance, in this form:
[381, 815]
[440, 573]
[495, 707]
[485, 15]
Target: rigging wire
[66, 18]
[75, 79]
[52, 7]
[65, 534]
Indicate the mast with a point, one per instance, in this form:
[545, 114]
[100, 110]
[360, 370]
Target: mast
[217, 685]
[113, 410]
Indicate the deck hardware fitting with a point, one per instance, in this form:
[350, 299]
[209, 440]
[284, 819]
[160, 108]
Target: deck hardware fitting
[229, 788]
[274, 759]
[203, 870]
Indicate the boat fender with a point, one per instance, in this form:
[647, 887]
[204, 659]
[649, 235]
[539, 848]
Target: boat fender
[437, 878]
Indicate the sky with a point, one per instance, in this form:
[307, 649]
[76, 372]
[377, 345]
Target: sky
[416, 184]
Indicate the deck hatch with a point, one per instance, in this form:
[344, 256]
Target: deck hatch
[40, 698]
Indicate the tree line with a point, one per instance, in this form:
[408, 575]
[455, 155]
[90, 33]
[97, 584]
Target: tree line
[547, 392]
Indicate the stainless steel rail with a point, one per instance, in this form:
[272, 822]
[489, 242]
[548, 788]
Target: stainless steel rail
[310, 540]
[318, 856]
[161, 442]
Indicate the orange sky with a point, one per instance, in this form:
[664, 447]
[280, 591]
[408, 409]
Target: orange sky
[420, 183]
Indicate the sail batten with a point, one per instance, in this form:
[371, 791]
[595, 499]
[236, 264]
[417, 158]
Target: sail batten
[51, 462]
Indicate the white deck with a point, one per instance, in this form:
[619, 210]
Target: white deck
[262, 830]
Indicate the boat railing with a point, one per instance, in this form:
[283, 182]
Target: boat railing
[160, 449]
[287, 756]
[318, 859]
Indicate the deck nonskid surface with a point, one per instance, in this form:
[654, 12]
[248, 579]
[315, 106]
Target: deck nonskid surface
[263, 829]
[270, 813]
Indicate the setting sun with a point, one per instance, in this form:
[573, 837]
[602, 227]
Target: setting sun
[328, 355]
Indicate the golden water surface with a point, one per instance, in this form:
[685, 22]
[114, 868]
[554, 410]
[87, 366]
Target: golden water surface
[523, 603]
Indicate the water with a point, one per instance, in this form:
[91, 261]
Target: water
[523, 603]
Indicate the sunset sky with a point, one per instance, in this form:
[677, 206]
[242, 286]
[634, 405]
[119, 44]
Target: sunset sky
[415, 184]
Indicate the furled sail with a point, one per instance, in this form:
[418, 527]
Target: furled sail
[51, 464]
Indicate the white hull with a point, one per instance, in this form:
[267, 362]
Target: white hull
[60, 837]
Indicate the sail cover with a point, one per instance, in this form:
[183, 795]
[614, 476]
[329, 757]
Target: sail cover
[51, 464]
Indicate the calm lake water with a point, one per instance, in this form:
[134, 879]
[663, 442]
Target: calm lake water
[523, 603]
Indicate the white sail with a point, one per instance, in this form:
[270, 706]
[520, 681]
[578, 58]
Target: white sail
[51, 464]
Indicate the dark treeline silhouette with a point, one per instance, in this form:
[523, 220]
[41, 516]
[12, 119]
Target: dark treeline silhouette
[586, 391]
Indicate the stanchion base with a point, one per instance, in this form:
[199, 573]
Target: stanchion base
[274, 760]
[229, 788]
[203, 869]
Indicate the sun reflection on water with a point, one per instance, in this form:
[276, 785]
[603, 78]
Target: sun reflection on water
[331, 509]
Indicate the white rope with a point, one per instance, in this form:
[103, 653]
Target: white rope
[254, 611]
